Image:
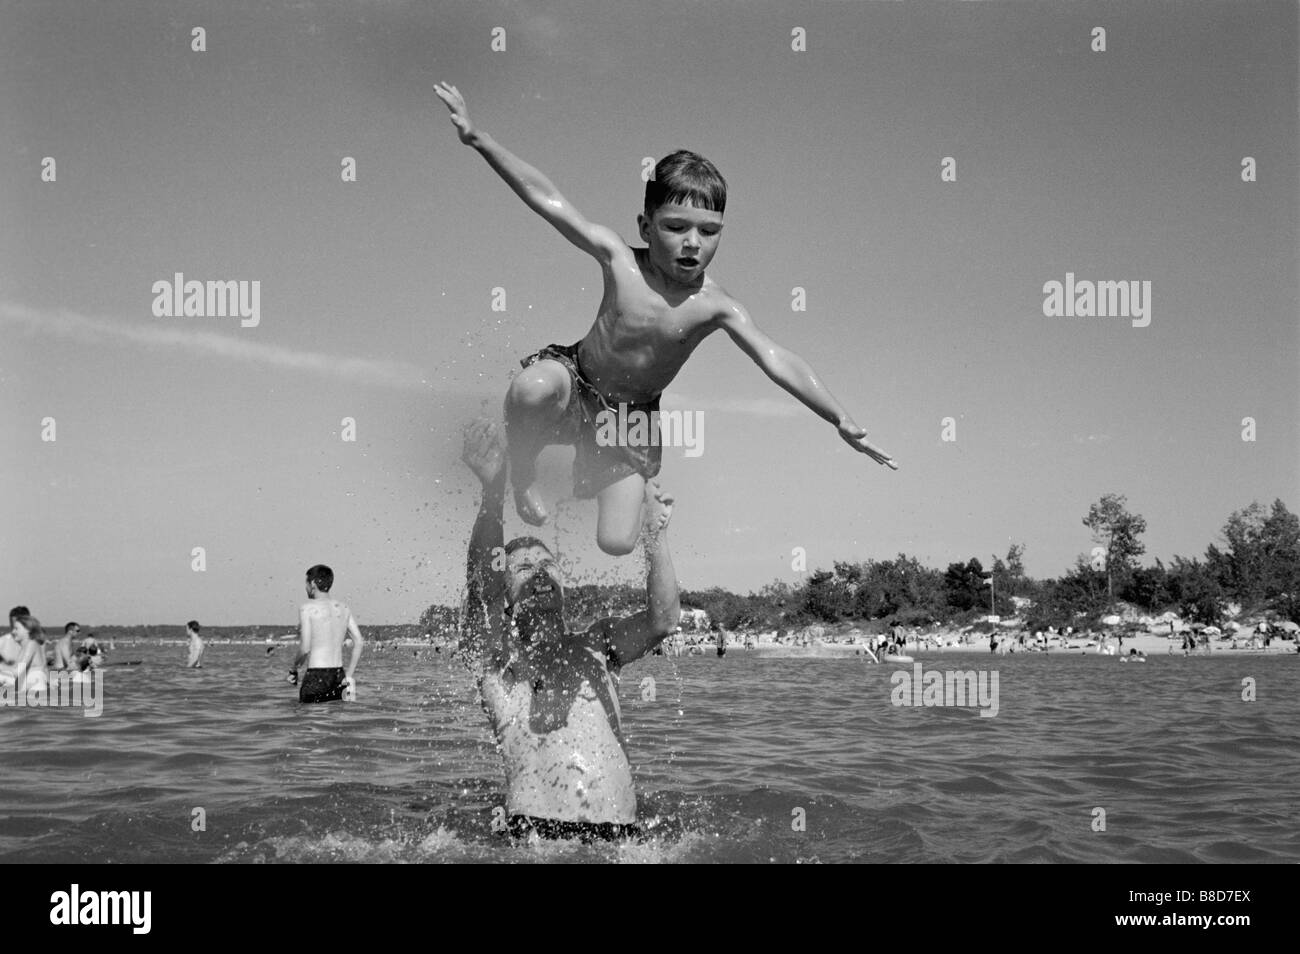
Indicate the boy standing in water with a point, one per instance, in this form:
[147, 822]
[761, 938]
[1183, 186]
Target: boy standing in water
[196, 645]
[658, 306]
[551, 695]
[323, 623]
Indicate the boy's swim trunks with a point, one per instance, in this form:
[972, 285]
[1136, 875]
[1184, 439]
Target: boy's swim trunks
[521, 826]
[321, 685]
[597, 466]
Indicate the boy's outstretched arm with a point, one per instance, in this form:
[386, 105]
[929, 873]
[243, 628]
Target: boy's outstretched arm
[794, 374]
[537, 191]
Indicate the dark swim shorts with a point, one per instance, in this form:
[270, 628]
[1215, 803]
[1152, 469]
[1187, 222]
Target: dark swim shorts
[597, 466]
[322, 685]
[521, 826]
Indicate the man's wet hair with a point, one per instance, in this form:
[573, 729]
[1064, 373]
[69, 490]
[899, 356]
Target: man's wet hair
[519, 543]
[322, 576]
[69, 627]
[18, 611]
[687, 178]
[194, 625]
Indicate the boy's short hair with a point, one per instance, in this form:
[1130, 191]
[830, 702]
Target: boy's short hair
[518, 543]
[194, 625]
[322, 576]
[69, 627]
[18, 611]
[688, 178]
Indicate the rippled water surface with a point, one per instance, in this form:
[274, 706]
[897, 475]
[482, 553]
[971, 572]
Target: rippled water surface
[725, 757]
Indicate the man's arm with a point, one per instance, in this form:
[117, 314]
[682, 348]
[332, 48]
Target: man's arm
[795, 375]
[481, 614]
[634, 636]
[304, 638]
[537, 191]
[358, 643]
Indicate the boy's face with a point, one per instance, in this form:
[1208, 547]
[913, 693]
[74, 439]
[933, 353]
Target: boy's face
[682, 239]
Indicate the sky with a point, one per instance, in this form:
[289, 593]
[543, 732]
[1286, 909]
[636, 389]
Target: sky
[924, 297]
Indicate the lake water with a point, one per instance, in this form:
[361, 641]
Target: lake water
[728, 758]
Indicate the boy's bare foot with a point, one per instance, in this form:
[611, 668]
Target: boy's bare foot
[528, 503]
[658, 508]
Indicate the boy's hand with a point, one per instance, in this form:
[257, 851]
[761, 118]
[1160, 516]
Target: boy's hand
[856, 438]
[459, 114]
[484, 451]
[658, 508]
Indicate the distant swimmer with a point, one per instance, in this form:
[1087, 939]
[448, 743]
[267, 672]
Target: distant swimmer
[28, 671]
[63, 647]
[550, 694]
[195, 660]
[323, 624]
[90, 647]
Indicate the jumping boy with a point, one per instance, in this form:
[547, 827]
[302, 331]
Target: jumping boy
[658, 305]
[323, 623]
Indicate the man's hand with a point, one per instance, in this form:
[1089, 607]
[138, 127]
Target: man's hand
[658, 509]
[485, 450]
[459, 114]
[856, 438]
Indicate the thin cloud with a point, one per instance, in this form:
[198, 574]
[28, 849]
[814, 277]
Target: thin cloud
[754, 407]
[171, 333]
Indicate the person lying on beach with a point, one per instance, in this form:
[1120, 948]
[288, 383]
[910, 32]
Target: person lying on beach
[323, 624]
[658, 305]
[549, 693]
[195, 660]
[28, 672]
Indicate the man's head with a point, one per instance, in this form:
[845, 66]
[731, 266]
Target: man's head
[72, 630]
[533, 579]
[16, 612]
[682, 217]
[193, 627]
[320, 579]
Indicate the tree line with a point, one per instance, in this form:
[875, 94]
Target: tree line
[1256, 564]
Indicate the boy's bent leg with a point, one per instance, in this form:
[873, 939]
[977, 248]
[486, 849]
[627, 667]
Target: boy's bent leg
[537, 400]
[619, 522]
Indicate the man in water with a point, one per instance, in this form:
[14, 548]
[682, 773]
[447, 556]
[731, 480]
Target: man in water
[63, 647]
[323, 624]
[195, 660]
[551, 694]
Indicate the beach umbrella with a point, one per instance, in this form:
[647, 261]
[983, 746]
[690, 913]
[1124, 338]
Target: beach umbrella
[1289, 627]
[1213, 630]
